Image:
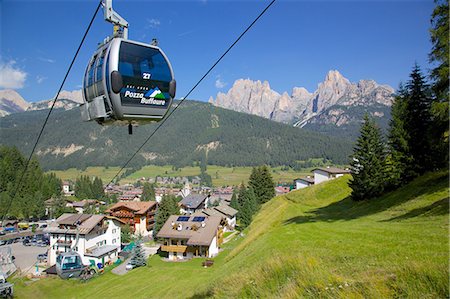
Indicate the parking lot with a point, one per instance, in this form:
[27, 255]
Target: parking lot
[26, 256]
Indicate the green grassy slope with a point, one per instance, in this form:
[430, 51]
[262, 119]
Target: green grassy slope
[310, 243]
[221, 175]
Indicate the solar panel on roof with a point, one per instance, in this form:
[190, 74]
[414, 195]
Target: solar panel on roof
[199, 219]
[183, 218]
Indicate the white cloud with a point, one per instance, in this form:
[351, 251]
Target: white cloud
[47, 60]
[11, 76]
[220, 83]
[153, 23]
[40, 79]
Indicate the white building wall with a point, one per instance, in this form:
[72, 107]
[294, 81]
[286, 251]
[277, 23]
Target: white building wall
[320, 176]
[112, 234]
[66, 189]
[141, 227]
[301, 184]
[213, 248]
[110, 237]
[231, 222]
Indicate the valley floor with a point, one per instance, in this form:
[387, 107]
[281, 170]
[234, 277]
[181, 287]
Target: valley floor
[312, 243]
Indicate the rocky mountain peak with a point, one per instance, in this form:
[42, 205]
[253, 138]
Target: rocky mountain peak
[256, 97]
[11, 102]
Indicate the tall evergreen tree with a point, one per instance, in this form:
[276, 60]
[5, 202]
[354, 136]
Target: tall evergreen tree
[368, 162]
[167, 207]
[234, 201]
[418, 121]
[248, 208]
[137, 255]
[262, 183]
[148, 192]
[399, 161]
[97, 189]
[440, 85]
[267, 185]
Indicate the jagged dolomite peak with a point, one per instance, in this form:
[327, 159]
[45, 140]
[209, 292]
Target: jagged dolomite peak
[11, 102]
[257, 98]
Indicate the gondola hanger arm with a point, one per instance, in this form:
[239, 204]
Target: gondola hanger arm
[113, 17]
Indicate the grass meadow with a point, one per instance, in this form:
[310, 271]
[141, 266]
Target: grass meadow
[221, 176]
[310, 243]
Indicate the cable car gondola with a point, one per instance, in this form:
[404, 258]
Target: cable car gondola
[127, 81]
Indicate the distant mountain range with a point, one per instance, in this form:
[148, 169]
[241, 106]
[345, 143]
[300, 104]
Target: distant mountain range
[196, 131]
[336, 107]
[12, 102]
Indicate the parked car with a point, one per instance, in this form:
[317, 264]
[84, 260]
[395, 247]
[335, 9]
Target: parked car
[26, 242]
[42, 257]
[2, 242]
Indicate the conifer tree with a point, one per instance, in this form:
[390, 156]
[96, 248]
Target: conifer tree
[418, 120]
[234, 201]
[138, 256]
[148, 192]
[97, 189]
[368, 162]
[167, 207]
[262, 183]
[241, 195]
[399, 161]
[267, 185]
[439, 56]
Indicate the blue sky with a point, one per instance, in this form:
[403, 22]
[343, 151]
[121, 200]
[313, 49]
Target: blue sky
[293, 45]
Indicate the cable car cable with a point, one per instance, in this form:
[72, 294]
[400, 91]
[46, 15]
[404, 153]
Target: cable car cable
[18, 185]
[192, 89]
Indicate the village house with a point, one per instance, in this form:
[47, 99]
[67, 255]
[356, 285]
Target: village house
[98, 237]
[194, 202]
[82, 205]
[140, 215]
[66, 188]
[131, 195]
[303, 182]
[191, 236]
[225, 212]
[328, 173]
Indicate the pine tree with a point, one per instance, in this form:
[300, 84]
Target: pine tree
[262, 183]
[368, 162]
[440, 85]
[148, 192]
[97, 189]
[167, 207]
[267, 185]
[241, 195]
[399, 161]
[418, 120]
[234, 201]
[138, 256]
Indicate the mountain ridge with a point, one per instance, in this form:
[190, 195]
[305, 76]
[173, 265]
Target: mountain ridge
[229, 138]
[302, 107]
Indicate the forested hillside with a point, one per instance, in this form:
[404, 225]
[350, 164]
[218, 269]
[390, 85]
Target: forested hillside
[196, 131]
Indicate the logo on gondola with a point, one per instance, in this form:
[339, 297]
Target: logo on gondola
[154, 96]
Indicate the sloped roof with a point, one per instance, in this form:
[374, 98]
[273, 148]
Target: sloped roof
[333, 170]
[85, 222]
[193, 201]
[226, 210]
[201, 236]
[306, 179]
[138, 207]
